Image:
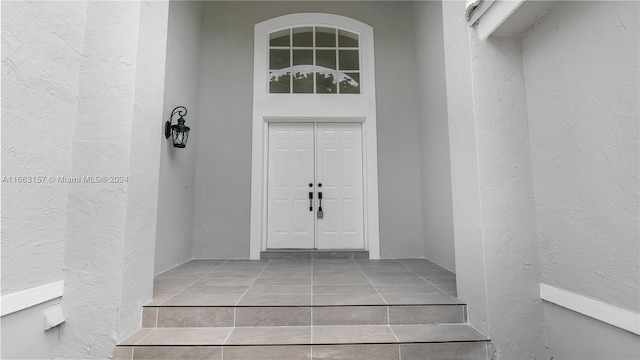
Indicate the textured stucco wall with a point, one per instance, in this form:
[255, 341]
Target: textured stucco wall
[94, 246]
[583, 105]
[39, 106]
[222, 195]
[109, 228]
[583, 85]
[177, 167]
[497, 250]
[467, 222]
[437, 211]
[40, 65]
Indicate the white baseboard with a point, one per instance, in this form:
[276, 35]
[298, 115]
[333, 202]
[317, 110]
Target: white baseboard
[30, 297]
[607, 313]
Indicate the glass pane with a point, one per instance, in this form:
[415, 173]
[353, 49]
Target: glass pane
[279, 82]
[347, 39]
[326, 59]
[349, 60]
[303, 37]
[279, 38]
[326, 83]
[303, 57]
[278, 59]
[350, 83]
[325, 37]
[303, 82]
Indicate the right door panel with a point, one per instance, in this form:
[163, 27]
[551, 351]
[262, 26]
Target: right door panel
[339, 170]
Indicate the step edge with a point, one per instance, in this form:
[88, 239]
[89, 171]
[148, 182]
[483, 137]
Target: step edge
[294, 306]
[312, 344]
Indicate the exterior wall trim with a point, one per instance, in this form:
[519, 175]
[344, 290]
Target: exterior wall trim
[330, 108]
[27, 298]
[612, 315]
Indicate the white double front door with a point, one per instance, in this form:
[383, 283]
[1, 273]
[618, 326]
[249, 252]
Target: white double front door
[307, 161]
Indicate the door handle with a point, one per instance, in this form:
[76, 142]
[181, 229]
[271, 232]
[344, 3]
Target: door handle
[320, 213]
[310, 200]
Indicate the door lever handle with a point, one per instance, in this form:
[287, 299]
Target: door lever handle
[310, 200]
[320, 213]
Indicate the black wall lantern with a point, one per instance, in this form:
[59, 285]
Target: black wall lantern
[180, 132]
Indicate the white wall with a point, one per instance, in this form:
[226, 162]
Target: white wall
[497, 267]
[222, 194]
[39, 107]
[112, 92]
[40, 62]
[571, 335]
[177, 166]
[437, 212]
[581, 64]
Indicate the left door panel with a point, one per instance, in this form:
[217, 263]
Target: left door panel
[290, 223]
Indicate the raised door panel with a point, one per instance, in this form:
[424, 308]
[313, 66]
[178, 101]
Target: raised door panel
[339, 170]
[291, 162]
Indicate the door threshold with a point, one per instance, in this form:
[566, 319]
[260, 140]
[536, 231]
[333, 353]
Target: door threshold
[324, 254]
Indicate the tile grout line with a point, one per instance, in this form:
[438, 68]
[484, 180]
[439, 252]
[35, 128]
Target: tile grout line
[311, 307]
[430, 283]
[253, 282]
[228, 336]
[371, 283]
[394, 334]
[190, 285]
[385, 301]
[388, 316]
[142, 338]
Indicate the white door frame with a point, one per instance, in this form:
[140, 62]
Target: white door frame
[313, 108]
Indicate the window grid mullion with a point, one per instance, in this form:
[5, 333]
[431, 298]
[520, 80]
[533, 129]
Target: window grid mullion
[337, 70]
[291, 61]
[314, 60]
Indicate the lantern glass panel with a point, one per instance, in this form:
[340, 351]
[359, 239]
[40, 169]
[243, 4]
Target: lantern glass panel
[180, 137]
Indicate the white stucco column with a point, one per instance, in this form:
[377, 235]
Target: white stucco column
[109, 248]
[144, 165]
[497, 254]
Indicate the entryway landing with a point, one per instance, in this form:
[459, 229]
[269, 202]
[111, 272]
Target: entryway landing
[305, 282]
[285, 309]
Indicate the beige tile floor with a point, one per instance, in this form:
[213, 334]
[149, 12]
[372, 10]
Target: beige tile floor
[304, 283]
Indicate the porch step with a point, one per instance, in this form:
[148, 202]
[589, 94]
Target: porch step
[371, 342]
[337, 254]
[283, 309]
[256, 316]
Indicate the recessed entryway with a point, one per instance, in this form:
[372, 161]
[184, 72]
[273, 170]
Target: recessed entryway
[314, 191]
[331, 137]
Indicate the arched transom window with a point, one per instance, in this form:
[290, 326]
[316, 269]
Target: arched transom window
[314, 60]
